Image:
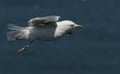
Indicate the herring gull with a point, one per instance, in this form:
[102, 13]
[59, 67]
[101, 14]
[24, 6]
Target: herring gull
[46, 28]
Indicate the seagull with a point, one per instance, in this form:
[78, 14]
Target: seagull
[46, 28]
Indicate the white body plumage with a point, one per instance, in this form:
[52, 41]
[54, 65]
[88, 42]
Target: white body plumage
[41, 28]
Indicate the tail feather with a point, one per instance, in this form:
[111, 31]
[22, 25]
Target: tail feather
[14, 27]
[17, 34]
[12, 35]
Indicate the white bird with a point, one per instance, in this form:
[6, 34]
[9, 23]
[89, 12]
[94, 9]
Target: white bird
[41, 28]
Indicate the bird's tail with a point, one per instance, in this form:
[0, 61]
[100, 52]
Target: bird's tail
[16, 34]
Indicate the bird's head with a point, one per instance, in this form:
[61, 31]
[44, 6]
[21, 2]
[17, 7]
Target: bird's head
[69, 25]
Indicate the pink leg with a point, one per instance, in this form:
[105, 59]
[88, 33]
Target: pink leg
[24, 48]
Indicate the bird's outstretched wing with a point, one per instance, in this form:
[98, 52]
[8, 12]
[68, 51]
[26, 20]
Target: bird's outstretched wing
[41, 21]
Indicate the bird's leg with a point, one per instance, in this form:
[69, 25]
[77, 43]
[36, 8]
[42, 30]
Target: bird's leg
[26, 46]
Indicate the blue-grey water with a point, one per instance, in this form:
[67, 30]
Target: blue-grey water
[95, 49]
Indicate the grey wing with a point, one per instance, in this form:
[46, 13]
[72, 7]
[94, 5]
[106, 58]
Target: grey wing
[40, 21]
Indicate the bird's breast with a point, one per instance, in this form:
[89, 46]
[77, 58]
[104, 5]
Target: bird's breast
[46, 34]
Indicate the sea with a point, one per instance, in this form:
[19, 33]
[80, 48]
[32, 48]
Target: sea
[94, 49]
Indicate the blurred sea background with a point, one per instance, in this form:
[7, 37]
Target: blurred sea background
[95, 49]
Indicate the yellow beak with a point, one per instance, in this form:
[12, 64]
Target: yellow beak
[78, 26]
